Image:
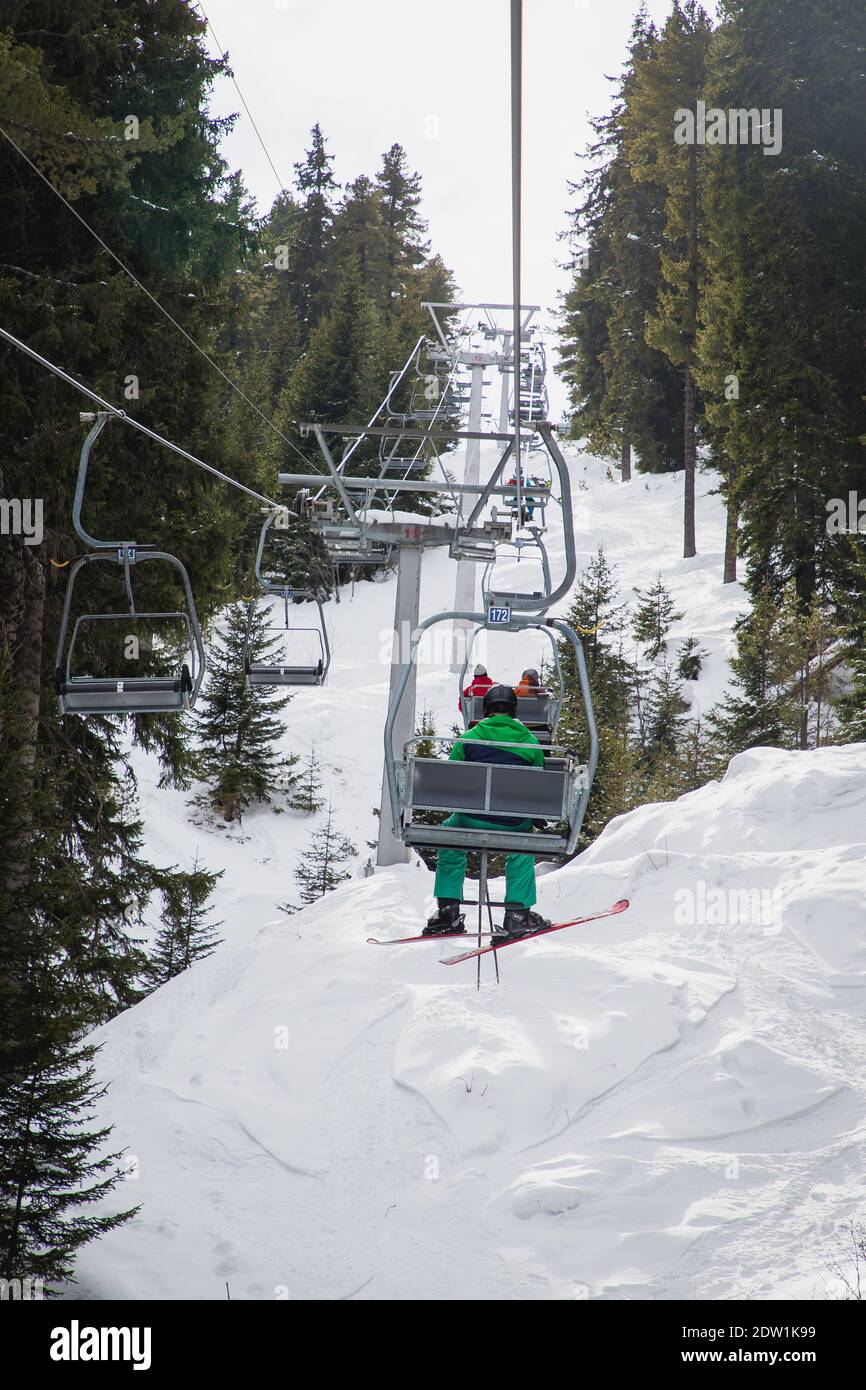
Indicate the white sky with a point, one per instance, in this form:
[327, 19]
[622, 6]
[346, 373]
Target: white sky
[435, 78]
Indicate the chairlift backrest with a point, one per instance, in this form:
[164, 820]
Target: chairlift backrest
[488, 789]
[535, 711]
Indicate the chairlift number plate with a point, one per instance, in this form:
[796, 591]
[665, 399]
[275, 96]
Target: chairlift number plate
[498, 617]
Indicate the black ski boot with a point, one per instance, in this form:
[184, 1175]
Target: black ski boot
[448, 920]
[519, 921]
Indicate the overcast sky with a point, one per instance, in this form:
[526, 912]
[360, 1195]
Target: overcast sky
[435, 78]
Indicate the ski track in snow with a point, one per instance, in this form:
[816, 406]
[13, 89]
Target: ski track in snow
[649, 1106]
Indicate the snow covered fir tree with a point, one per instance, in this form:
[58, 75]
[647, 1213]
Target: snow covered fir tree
[334, 965]
[322, 868]
[238, 725]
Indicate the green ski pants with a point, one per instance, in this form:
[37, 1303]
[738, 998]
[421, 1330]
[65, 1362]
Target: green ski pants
[519, 868]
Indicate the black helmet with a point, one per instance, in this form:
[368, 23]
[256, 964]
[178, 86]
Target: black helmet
[500, 699]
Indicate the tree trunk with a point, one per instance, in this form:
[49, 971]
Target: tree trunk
[730, 575]
[21, 630]
[626, 456]
[689, 440]
[689, 452]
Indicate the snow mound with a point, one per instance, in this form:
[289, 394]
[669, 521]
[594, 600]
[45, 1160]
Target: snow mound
[664, 1104]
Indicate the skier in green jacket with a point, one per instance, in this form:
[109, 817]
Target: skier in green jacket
[484, 742]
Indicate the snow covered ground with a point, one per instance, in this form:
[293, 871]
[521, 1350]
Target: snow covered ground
[664, 1104]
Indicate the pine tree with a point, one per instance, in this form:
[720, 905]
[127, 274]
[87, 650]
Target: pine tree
[425, 732]
[697, 759]
[406, 249]
[321, 868]
[664, 723]
[624, 391]
[690, 659]
[311, 241]
[786, 245]
[360, 238]
[237, 723]
[52, 1160]
[850, 600]
[187, 934]
[760, 708]
[654, 617]
[597, 610]
[307, 790]
[669, 80]
[339, 379]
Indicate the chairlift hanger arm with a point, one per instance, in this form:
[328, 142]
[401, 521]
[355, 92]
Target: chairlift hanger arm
[490, 485]
[390, 720]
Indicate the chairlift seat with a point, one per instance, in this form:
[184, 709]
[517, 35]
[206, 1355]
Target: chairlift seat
[403, 468]
[125, 695]
[259, 673]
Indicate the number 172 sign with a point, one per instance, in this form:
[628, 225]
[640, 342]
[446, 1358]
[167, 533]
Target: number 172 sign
[498, 617]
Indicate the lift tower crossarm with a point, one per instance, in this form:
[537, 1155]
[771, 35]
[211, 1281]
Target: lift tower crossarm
[437, 437]
[409, 485]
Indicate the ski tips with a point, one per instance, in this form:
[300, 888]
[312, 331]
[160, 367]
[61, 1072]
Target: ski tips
[613, 910]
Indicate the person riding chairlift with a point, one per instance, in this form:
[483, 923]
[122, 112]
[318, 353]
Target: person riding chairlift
[479, 685]
[527, 509]
[529, 685]
[486, 743]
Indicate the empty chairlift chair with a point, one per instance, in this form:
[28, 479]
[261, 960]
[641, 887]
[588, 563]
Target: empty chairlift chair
[396, 459]
[296, 655]
[124, 691]
[302, 656]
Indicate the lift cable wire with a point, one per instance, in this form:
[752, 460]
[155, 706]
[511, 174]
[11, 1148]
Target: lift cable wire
[125, 268]
[137, 424]
[281, 186]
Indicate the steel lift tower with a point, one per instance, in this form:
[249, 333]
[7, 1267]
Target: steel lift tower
[498, 354]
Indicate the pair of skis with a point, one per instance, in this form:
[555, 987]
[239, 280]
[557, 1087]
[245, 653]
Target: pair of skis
[500, 945]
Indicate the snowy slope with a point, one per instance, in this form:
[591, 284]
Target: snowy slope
[666, 1104]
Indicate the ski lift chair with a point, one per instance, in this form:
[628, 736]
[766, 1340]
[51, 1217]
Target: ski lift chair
[393, 463]
[556, 794]
[519, 543]
[123, 693]
[268, 670]
[89, 694]
[391, 451]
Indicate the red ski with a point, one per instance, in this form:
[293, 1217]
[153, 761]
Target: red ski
[530, 936]
[439, 936]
